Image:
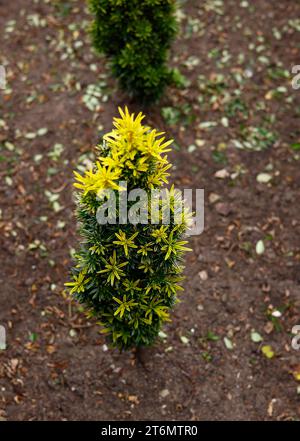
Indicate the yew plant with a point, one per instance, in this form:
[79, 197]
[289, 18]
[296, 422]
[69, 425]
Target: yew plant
[127, 274]
[136, 36]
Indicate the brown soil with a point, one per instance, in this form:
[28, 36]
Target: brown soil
[56, 365]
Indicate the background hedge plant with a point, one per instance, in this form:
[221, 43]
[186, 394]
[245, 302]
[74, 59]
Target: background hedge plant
[127, 275]
[136, 35]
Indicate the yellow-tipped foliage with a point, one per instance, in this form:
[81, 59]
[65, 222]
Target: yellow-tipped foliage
[127, 274]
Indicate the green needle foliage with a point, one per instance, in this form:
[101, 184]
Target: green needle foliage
[136, 36]
[127, 274]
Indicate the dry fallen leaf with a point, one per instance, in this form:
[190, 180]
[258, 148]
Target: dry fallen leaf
[271, 407]
[203, 275]
[268, 351]
[268, 328]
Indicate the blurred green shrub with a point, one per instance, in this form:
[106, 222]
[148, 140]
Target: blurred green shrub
[136, 36]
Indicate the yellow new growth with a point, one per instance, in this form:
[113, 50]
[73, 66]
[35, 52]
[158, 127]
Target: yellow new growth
[133, 150]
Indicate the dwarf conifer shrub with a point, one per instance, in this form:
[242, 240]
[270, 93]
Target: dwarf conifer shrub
[127, 274]
[136, 36]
